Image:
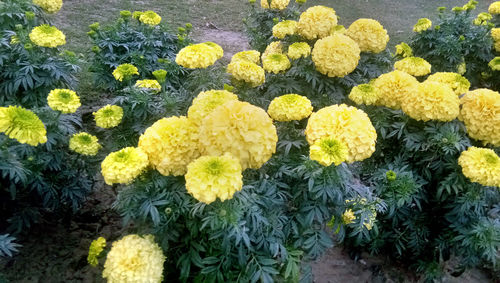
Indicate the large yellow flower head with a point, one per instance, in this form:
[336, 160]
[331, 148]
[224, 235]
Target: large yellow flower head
[290, 107]
[364, 94]
[496, 46]
[153, 85]
[276, 63]
[206, 102]
[219, 52]
[274, 47]
[249, 55]
[480, 113]
[494, 8]
[23, 125]
[47, 36]
[404, 50]
[336, 55]
[171, 144]
[482, 19]
[431, 101]
[108, 116]
[346, 124]
[299, 49]
[316, 22]
[458, 83]
[275, 4]
[64, 100]
[212, 177]
[414, 66]
[422, 24]
[123, 166]
[49, 6]
[481, 165]
[150, 18]
[197, 56]
[241, 129]
[328, 150]
[84, 144]
[125, 72]
[393, 87]
[134, 259]
[247, 72]
[369, 34]
[495, 34]
[284, 28]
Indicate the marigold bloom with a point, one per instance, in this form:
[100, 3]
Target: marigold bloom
[134, 259]
[150, 18]
[392, 87]
[123, 166]
[22, 125]
[95, 249]
[404, 50]
[347, 124]
[348, 217]
[495, 64]
[329, 150]
[369, 34]
[316, 22]
[481, 165]
[219, 52]
[249, 55]
[290, 107]
[298, 50]
[197, 56]
[458, 83]
[495, 34]
[84, 144]
[241, 129]
[47, 36]
[422, 24]
[149, 84]
[274, 4]
[431, 101]
[125, 72]
[274, 47]
[284, 28]
[206, 102]
[160, 75]
[247, 72]
[171, 144]
[276, 63]
[212, 177]
[480, 113]
[64, 100]
[494, 8]
[336, 55]
[364, 94]
[414, 66]
[49, 6]
[108, 116]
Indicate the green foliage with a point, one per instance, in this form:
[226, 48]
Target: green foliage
[7, 245]
[13, 12]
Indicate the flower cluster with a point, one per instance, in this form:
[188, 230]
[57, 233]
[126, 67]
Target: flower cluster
[276, 63]
[414, 66]
[422, 24]
[299, 49]
[196, 56]
[150, 18]
[404, 50]
[458, 83]
[364, 94]
[290, 107]
[346, 124]
[125, 72]
[369, 34]
[23, 125]
[134, 259]
[316, 22]
[123, 166]
[494, 8]
[108, 116]
[336, 55]
[274, 4]
[64, 100]
[247, 72]
[482, 19]
[47, 36]
[84, 144]
[49, 6]
[95, 249]
[149, 84]
[206, 102]
[393, 87]
[328, 150]
[481, 165]
[284, 28]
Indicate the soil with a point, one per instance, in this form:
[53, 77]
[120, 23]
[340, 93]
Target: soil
[231, 41]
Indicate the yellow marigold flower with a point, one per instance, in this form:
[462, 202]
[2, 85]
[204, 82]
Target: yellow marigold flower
[149, 84]
[219, 52]
[481, 165]
[290, 107]
[274, 47]
[171, 144]
[431, 101]
[480, 113]
[84, 144]
[459, 84]
[150, 18]
[364, 94]
[284, 28]
[494, 8]
[47, 36]
[298, 50]
[49, 6]
[316, 22]
[248, 72]
[274, 4]
[160, 75]
[123, 166]
[495, 34]
[197, 56]
[422, 25]
[369, 34]
[22, 125]
[206, 102]
[249, 55]
[134, 259]
[95, 249]
[241, 129]
[348, 217]
[212, 177]
[64, 100]
[495, 64]
[462, 68]
[347, 124]
[392, 87]
[414, 66]
[329, 150]
[275, 63]
[482, 19]
[125, 72]
[404, 50]
[336, 55]
[136, 14]
[108, 116]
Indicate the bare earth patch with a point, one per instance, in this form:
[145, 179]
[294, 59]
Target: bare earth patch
[231, 41]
